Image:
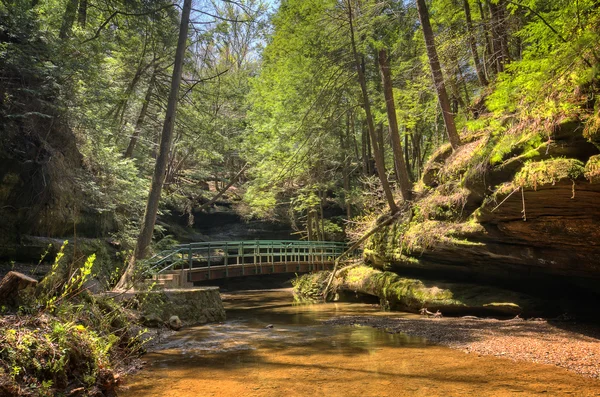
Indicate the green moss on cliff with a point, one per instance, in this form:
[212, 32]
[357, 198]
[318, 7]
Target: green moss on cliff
[548, 172]
[592, 169]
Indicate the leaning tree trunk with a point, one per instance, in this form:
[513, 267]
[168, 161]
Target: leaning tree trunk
[145, 236]
[379, 160]
[140, 121]
[438, 78]
[401, 170]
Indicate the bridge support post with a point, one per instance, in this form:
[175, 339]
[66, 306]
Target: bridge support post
[208, 259]
[226, 260]
[273, 256]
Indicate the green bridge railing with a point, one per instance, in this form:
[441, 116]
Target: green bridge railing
[224, 253]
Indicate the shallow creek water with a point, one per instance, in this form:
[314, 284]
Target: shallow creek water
[299, 356]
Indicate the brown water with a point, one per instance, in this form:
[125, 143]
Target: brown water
[299, 356]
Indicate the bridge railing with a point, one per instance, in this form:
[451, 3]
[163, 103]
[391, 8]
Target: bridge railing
[259, 252]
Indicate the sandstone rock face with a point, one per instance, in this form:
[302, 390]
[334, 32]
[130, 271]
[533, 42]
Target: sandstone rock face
[191, 305]
[532, 218]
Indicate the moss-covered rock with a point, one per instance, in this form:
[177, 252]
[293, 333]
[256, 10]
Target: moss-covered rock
[512, 204]
[592, 169]
[410, 294]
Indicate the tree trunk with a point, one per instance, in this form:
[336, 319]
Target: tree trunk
[401, 170]
[10, 286]
[488, 61]
[365, 158]
[345, 148]
[145, 237]
[352, 133]
[140, 121]
[499, 43]
[119, 110]
[353, 247]
[438, 78]
[82, 13]
[473, 44]
[407, 156]
[68, 19]
[322, 213]
[380, 142]
[379, 160]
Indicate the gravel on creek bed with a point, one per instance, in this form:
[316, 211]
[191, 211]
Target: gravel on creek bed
[566, 344]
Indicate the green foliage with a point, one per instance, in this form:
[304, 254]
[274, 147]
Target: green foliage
[553, 63]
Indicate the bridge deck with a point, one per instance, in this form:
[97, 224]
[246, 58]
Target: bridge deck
[250, 269]
[214, 260]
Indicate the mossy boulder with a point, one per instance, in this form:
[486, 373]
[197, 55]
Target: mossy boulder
[412, 295]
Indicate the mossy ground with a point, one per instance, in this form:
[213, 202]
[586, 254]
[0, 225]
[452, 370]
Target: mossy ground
[62, 338]
[82, 343]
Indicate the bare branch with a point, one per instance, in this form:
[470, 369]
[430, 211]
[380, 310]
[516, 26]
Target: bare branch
[127, 14]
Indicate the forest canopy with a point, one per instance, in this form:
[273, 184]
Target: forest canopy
[322, 113]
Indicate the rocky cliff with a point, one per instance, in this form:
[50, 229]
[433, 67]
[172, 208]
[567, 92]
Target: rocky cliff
[519, 202]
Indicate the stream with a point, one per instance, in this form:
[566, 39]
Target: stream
[271, 347]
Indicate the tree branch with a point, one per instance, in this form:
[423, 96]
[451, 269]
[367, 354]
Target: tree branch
[127, 14]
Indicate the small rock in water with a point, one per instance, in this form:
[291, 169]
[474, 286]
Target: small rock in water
[175, 323]
[269, 326]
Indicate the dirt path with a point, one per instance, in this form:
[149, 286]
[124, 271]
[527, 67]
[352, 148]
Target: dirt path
[573, 346]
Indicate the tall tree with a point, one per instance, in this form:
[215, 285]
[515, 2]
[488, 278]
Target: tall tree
[378, 152]
[145, 237]
[438, 78]
[400, 165]
[68, 19]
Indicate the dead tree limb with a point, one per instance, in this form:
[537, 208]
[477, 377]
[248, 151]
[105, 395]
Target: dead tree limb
[225, 189]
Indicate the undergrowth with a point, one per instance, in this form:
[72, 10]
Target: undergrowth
[62, 338]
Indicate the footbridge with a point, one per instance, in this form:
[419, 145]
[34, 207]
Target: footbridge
[185, 264]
